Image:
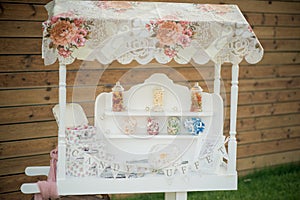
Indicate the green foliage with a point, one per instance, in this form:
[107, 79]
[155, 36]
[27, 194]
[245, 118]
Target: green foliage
[277, 183]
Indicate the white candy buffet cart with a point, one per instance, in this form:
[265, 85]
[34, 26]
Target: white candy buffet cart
[179, 150]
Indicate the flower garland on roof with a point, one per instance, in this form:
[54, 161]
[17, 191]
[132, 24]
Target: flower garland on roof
[66, 34]
[172, 35]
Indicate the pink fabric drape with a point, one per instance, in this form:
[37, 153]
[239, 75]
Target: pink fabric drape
[48, 189]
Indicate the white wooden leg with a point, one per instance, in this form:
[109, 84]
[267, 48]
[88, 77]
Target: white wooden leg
[232, 144]
[181, 195]
[217, 79]
[176, 196]
[170, 196]
[61, 165]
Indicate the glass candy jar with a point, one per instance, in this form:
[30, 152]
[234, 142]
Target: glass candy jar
[152, 126]
[117, 97]
[173, 127]
[196, 98]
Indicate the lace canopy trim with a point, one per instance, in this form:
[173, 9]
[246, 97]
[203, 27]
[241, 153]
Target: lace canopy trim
[142, 31]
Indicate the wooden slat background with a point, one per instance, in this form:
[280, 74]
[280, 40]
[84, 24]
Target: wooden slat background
[268, 122]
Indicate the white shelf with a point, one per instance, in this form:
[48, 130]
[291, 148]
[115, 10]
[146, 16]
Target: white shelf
[146, 137]
[139, 113]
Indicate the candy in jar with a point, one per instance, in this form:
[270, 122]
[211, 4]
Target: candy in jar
[117, 98]
[173, 125]
[196, 98]
[158, 98]
[152, 126]
[129, 126]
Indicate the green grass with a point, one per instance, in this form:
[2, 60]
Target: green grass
[277, 183]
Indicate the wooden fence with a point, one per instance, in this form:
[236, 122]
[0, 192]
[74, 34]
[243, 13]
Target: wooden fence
[268, 122]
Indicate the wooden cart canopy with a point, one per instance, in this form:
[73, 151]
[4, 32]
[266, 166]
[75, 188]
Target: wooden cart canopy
[142, 31]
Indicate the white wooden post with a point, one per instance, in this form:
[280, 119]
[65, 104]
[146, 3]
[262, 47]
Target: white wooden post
[176, 196]
[170, 195]
[61, 164]
[232, 144]
[181, 195]
[217, 82]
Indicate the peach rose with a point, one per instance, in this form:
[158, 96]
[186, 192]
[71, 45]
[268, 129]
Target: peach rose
[168, 33]
[63, 33]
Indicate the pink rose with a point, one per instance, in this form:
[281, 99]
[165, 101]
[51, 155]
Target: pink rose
[184, 23]
[187, 32]
[54, 19]
[79, 40]
[168, 32]
[63, 52]
[148, 27]
[78, 22]
[63, 32]
[82, 32]
[184, 40]
[170, 52]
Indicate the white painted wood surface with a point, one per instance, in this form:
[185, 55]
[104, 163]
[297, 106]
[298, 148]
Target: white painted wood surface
[232, 144]
[61, 164]
[217, 78]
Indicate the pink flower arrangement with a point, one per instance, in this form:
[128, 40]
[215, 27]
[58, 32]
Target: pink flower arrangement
[66, 34]
[171, 35]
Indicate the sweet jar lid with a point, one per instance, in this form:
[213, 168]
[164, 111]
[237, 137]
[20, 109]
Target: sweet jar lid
[196, 87]
[118, 87]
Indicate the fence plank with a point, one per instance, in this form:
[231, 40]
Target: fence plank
[27, 147]
[266, 122]
[255, 149]
[257, 162]
[277, 32]
[16, 195]
[273, 19]
[20, 46]
[20, 29]
[32, 12]
[267, 109]
[13, 183]
[28, 131]
[9, 167]
[35, 113]
[255, 136]
[48, 95]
